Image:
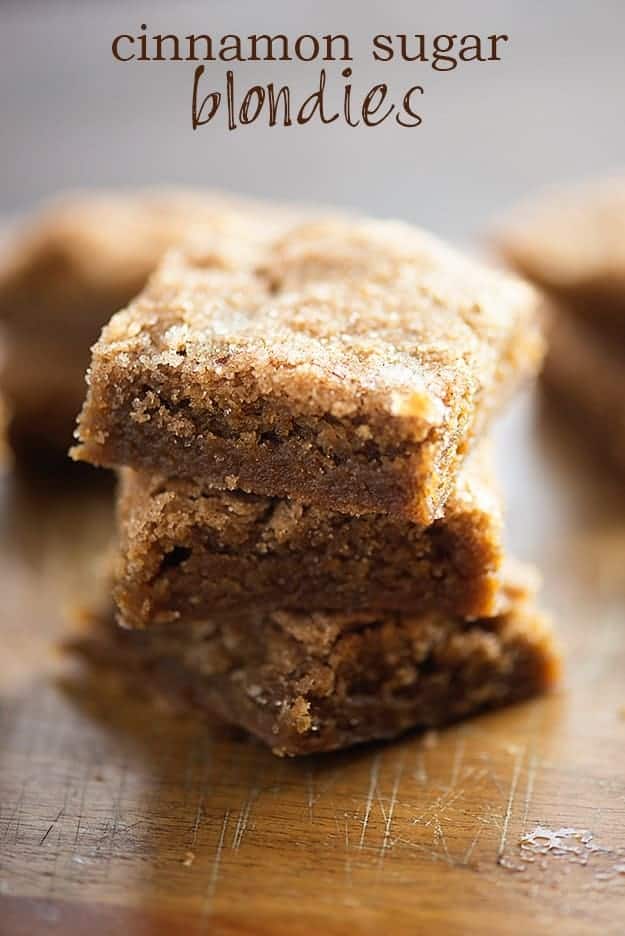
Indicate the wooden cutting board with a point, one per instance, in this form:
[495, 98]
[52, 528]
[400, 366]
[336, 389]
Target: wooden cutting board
[119, 817]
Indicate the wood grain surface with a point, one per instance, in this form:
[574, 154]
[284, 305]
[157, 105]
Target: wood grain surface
[121, 817]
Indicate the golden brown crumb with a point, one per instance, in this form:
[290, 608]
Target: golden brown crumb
[187, 551]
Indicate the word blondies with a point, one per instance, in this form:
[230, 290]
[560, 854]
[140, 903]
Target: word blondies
[244, 104]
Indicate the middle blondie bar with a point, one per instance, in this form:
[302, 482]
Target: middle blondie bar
[189, 552]
[345, 364]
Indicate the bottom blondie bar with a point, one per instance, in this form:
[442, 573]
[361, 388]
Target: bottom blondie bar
[308, 682]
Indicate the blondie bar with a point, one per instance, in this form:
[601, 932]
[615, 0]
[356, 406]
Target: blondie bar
[188, 552]
[42, 386]
[586, 373]
[306, 682]
[572, 244]
[345, 364]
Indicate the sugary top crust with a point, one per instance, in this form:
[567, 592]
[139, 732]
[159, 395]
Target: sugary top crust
[330, 313]
[572, 240]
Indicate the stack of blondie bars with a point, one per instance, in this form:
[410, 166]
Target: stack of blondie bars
[309, 532]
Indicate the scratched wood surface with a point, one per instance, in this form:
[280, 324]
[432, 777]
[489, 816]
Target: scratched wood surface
[120, 817]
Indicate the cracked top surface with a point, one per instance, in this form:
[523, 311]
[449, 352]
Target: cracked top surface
[572, 239]
[330, 314]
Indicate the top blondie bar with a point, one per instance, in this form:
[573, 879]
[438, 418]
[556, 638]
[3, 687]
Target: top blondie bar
[344, 363]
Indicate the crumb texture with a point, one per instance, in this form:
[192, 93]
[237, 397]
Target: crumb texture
[187, 551]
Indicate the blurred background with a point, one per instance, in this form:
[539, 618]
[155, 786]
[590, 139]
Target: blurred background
[73, 116]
